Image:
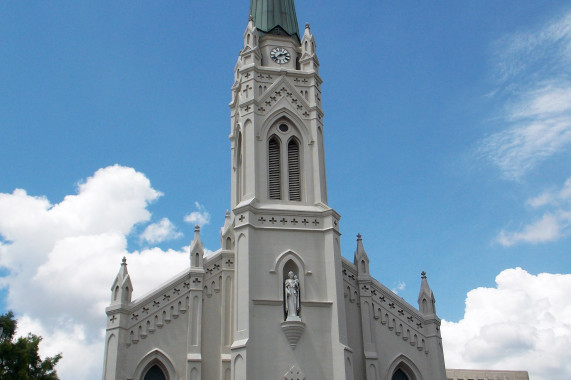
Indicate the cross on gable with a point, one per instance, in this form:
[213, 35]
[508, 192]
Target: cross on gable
[241, 218]
[113, 318]
[294, 221]
[229, 262]
[262, 220]
[273, 220]
[315, 222]
[196, 281]
[283, 220]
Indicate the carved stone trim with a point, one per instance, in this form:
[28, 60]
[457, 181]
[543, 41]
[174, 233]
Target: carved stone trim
[294, 373]
[293, 331]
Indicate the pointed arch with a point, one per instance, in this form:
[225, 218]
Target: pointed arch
[290, 117]
[285, 261]
[403, 365]
[156, 358]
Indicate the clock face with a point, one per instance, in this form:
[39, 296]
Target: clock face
[280, 55]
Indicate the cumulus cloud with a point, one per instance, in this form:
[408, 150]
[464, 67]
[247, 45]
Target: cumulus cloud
[61, 260]
[554, 224]
[524, 323]
[159, 232]
[200, 217]
[534, 71]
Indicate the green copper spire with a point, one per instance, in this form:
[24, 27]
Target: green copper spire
[270, 14]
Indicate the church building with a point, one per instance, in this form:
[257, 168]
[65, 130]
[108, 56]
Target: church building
[277, 300]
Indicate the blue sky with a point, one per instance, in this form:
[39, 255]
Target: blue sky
[447, 136]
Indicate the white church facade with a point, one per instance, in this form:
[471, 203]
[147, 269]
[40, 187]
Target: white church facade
[277, 300]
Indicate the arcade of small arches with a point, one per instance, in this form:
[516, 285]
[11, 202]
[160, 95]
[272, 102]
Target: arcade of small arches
[155, 372]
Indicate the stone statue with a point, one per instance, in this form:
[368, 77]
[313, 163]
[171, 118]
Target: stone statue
[292, 304]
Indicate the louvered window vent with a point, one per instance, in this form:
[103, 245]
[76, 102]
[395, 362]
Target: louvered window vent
[274, 171]
[294, 171]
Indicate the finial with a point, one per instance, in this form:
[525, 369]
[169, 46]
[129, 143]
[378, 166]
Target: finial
[359, 237]
[197, 228]
[227, 213]
[423, 274]
[124, 261]
[307, 25]
[251, 18]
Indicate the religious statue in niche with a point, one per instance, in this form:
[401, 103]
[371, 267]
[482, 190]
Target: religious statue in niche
[291, 299]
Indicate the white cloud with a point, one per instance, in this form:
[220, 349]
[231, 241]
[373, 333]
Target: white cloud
[554, 224]
[400, 286]
[200, 217]
[524, 323]
[62, 259]
[543, 230]
[159, 232]
[534, 70]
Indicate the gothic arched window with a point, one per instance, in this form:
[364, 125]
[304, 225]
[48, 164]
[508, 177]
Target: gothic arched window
[293, 164]
[274, 170]
[155, 373]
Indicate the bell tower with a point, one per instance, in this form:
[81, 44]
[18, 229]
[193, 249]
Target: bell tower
[289, 315]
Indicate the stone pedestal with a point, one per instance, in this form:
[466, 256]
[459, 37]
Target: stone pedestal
[293, 330]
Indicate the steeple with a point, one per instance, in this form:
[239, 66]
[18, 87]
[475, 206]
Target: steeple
[426, 300]
[196, 250]
[361, 259]
[122, 289]
[275, 17]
